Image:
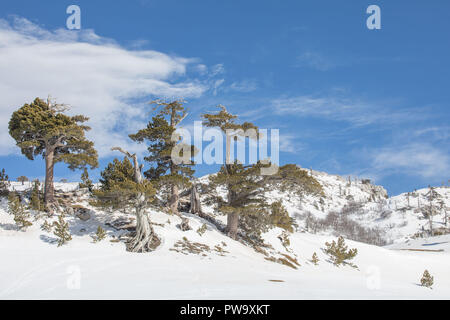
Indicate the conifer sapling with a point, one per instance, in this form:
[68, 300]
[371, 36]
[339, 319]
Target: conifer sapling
[62, 231]
[19, 211]
[427, 280]
[339, 252]
[315, 259]
[100, 234]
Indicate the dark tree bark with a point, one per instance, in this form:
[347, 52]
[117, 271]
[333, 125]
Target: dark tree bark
[196, 206]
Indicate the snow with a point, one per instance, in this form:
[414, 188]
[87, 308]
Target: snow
[33, 267]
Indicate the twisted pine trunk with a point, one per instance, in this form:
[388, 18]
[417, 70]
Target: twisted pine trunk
[174, 199]
[145, 239]
[49, 196]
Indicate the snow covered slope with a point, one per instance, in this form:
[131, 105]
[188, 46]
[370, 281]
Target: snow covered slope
[189, 265]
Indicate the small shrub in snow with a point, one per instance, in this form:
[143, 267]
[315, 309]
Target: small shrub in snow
[427, 280]
[284, 238]
[47, 227]
[339, 252]
[100, 234]
[18, 210]
[202, 229]
[62, 231]
[315, 259]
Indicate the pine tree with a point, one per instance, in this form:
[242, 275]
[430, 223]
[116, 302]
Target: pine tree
[19, 211]
[100, 234]
[62, 231]
[134, 191]
[315, 259]
[42, 128]
[36, 202]
[279, 217]
[4, 183]
[239, 181]
[245, 205]
[339, 252]
[160, 133]
[112, 178]
[22, 179]
[427, 280]
[85, 181]
[432, 209]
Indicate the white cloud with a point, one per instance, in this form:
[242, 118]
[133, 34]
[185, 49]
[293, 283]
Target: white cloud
[244, 86]
[96, 76]
[314, 60]
[355, 111]
[217, 69]
[415, 159]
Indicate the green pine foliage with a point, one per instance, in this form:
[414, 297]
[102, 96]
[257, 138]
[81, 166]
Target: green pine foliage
[86, 182]
[279, 217]
[118, 188]
[159, 135]
[245, 200]
[47, 227]
[62, 231]
[42, 128]
[4, 182]
[100, 234]
[293, 179]
[36, 200]
[427, 280]
[339, 253]
[19, 211]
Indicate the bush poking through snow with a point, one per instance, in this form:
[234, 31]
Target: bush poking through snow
[62, 231]
[284, 238]
[100, 234]
[339, 252]
[18, 210]
[202, 229]
[427, 280]
[315, 259]
[47, 227]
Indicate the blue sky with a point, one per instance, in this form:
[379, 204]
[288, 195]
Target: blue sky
[347, 100]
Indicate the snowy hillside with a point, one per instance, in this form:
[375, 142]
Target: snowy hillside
[192, 265]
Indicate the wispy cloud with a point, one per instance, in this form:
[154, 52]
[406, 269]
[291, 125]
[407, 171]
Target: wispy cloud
[415, 159]
[94, 74]
[314, 60]
[353, 110]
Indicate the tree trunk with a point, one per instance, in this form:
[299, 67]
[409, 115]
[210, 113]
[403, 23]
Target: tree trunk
[232, 225]
[49, 164]
[173, 202]
[196, 206]
[145, 239]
